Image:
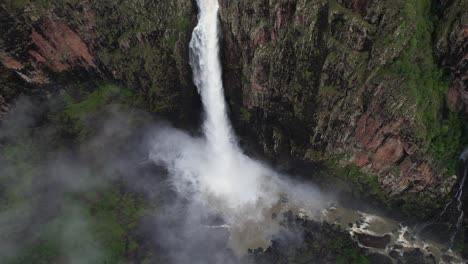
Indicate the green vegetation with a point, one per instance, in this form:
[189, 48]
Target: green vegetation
[93, 226]
[328, 91]
[99, 231]
[114, 217]
[331, 244]
[141, 49]
[19, 175]
[244, 114]
[419, 205]
[78, 113]
[32, 7]
[43, 252]
[441, 130]
[16, 4]
[363, 184]
[96, 100]
[347, 252]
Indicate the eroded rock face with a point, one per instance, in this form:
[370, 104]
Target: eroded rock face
[48, 44]
[319, 82]
[57, 44]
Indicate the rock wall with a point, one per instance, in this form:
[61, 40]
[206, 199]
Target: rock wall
[451, 49]
[352, 82]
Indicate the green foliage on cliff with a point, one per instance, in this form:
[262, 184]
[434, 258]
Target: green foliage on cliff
[78, 112]
[20, 173]
[362, 184]
[114, 216]
[441, 129]
[144, 44]
[244, 114]
[96, 100]
[16, 4]
[351, 256]
[97, 231]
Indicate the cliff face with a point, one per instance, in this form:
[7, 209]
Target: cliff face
[143, 45]
[355, 83]
[450, 48]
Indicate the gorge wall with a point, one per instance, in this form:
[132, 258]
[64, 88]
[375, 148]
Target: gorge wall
[376, 89]
[142, 45]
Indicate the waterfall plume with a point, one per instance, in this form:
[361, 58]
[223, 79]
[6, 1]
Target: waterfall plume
[211, 173]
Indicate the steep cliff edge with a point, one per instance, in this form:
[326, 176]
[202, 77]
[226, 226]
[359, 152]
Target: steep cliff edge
[358, 84]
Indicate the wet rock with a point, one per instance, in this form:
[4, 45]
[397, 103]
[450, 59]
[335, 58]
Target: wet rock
[395, 254]
[318, 244]
[448, 258]
[379, 258]
[414, 257]
[439, 232]
[398, 247]
[373, 241]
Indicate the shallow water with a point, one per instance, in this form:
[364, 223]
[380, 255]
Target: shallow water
[402, 238]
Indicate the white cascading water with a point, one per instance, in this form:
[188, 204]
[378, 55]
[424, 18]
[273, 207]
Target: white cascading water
[232, 177]
[212, 168]
[206, 66]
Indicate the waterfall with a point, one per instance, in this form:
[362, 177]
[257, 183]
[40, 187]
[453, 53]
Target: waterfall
[225, 173]
[206, 65]
[210, 174]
